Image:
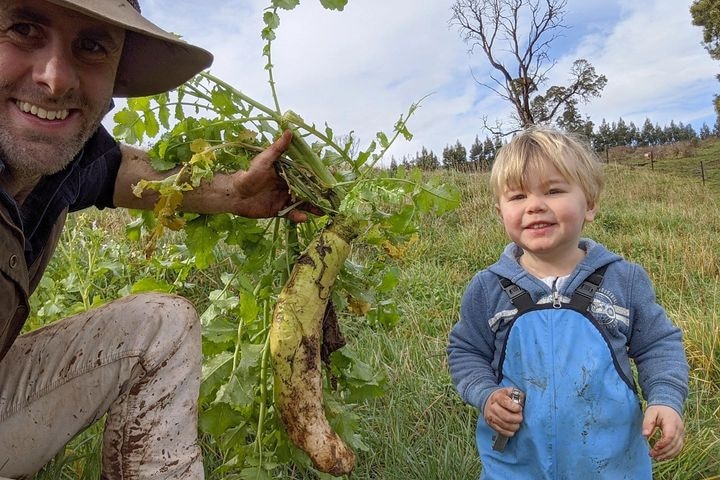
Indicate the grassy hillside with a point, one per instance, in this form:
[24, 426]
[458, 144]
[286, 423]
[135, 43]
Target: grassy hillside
[420, 429]
[691, 159]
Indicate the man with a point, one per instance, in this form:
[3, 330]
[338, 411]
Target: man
[137, 359]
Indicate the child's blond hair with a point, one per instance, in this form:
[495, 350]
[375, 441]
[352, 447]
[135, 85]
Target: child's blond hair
[537, 148]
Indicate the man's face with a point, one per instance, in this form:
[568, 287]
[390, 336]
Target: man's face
[57, 71]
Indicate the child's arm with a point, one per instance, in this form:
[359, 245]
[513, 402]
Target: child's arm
[657, 349]
[673, 431]
[471, 348]
[656, 346]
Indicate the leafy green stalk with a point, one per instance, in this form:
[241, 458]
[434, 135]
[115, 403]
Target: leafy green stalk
[320, 168]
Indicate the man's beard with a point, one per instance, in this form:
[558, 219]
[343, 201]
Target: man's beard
[29, 155]
[31, 159]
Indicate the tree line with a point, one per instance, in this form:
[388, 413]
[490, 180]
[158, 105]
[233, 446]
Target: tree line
[481, 154]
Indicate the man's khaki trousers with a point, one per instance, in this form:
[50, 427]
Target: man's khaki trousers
[137, 359]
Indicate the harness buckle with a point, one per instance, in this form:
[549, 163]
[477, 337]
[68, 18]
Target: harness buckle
[587, 289]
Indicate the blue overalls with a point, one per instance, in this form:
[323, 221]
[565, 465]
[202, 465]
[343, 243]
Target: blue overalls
[582, 418]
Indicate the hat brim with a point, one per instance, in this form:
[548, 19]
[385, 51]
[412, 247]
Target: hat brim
[153, 60]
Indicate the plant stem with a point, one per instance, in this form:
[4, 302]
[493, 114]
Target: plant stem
[271, 79]
[273, 114]
[264, 362]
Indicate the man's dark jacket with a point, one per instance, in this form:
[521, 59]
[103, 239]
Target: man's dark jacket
[29, 233]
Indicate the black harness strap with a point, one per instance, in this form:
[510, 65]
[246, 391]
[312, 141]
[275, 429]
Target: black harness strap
[518, 296]
[584, 294]
[581, 298]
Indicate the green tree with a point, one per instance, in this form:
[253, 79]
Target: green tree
[648, 134]
[489, 151]
[426, 160]
[705, 131]
[455, 156]
[706, 14]
[621, 134]
[603, 138]
[572, 121]
[525, 29]
[477, 154]
[661, 134]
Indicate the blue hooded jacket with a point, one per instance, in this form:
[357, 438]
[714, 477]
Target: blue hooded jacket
[582, 417]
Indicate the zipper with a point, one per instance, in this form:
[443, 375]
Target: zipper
[556, 302]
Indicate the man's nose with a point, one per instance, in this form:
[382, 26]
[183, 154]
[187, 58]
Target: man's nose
[56, 71]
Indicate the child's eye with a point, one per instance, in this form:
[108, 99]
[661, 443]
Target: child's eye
[516, 196]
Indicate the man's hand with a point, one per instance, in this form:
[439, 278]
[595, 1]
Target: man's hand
[501, 413]
[259, 192]
[673, 431]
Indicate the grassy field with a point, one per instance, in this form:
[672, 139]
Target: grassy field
[667, 223]
[420, 429]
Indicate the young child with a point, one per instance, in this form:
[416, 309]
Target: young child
[559, 317]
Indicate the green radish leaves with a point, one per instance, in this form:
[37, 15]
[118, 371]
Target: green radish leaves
[334, 4]
[329, 4]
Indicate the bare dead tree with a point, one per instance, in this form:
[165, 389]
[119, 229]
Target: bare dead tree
[515, 36]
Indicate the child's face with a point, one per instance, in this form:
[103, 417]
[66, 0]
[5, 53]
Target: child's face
[546, 217]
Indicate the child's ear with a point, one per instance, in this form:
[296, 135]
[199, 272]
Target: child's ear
[497, 210]
[591, 212]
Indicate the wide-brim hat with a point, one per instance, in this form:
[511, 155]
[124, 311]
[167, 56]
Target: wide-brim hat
[153, 60]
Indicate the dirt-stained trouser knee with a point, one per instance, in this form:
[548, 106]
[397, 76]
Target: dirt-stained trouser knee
[137, 359]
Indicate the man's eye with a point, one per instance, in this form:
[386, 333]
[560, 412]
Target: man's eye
[88, 45]
[23, 29]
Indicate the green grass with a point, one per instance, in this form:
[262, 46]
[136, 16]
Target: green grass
[420, 429]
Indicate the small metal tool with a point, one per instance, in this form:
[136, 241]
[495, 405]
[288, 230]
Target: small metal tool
[500, 441]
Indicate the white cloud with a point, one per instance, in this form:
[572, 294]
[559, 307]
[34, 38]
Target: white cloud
[655, 65]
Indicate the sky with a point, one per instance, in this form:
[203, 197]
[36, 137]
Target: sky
[360, 69]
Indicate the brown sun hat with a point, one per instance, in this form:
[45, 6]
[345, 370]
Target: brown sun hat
[153, 60]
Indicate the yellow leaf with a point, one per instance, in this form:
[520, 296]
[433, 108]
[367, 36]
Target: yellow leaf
[139, 188]
[246, 136]
[358, 307]
[199, 145]
[174, 223]
[399, 251]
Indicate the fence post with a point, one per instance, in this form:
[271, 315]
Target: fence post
[702, 172]
[652, 160]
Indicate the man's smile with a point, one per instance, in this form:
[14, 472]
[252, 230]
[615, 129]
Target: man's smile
[41, 112]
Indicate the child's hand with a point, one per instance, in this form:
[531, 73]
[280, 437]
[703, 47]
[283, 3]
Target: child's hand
[673, 430]
[501, 413]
